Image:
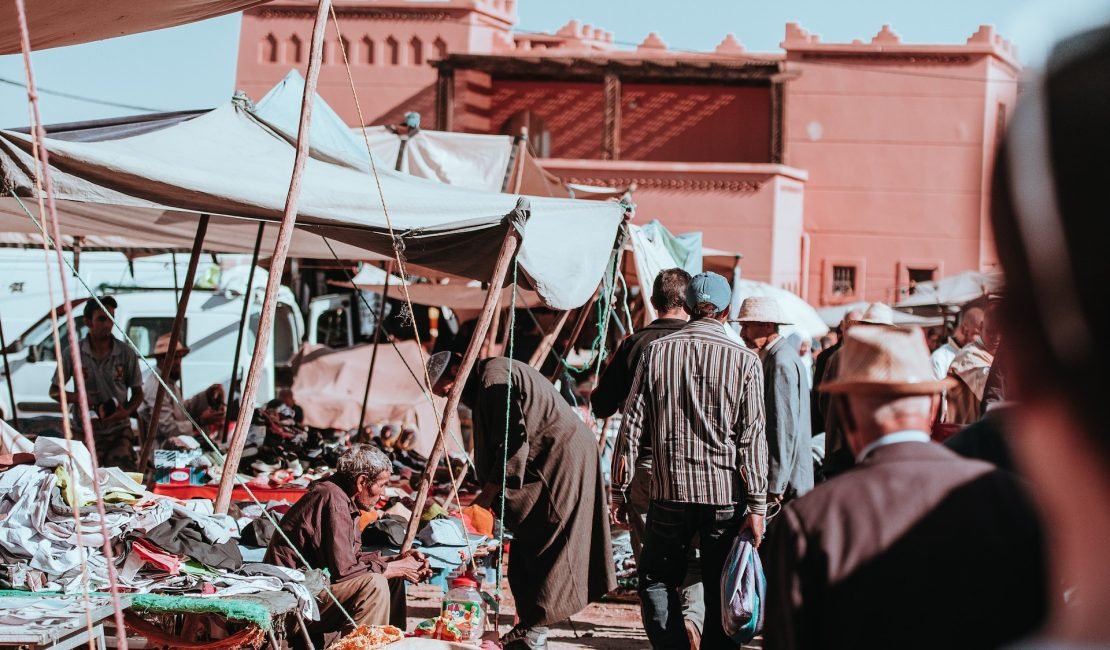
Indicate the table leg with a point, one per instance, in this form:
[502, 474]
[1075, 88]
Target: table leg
[304, 631]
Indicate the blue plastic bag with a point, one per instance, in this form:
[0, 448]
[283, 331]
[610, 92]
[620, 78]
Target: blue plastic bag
[743, 589]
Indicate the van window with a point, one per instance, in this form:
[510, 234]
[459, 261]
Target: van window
[44, 338]
[146, 330]
[331, 328]
[285, 335]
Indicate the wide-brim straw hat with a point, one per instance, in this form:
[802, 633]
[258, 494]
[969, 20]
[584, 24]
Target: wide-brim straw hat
[762, 309]
[437, 365]
[877, 313]
[162, 346]
[885, 361]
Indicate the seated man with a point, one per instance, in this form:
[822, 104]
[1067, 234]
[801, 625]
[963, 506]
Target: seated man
[323, 526]
[205, 408]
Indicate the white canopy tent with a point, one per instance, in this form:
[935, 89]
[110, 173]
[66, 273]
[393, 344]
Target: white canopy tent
[228, 162]
[953, 290]
[803, 318]
[833, 315]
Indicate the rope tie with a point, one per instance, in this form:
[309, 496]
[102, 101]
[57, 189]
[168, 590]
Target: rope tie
[505, 451]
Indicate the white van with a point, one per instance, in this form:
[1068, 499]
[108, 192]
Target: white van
[211, 329]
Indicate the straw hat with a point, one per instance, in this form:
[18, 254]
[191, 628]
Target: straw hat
[437, 365]
[885, 360]
[762, 309]
[162, 346]
[877, 313]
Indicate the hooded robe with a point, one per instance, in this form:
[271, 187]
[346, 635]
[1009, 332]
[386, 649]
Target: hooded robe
[555, 506]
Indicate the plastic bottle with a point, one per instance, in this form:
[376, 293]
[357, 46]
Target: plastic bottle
[463, 604]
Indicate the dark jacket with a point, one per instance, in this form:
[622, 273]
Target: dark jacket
[324, 526]
[915, 547]
[616, 380]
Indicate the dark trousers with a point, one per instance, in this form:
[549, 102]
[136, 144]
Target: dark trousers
[671, 527]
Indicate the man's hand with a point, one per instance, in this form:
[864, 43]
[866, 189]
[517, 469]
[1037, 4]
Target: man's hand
[618, 513]
[754, 523]
[213, 416]
[116, 416]
[410, 565]
[774, 498]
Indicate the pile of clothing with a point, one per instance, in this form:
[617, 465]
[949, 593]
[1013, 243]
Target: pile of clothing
[51, 536]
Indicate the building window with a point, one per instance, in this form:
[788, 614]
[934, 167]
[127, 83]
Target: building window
[843, 281]
[440, 47]
[917, 276]
[393, 51]
[294, 54]
[417, 48]
[268, 53]
[368, 50]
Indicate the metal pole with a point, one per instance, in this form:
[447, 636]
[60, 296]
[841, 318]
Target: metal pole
[8, 373]
[277, 263]
[233, 385]
[379, 325]
[508, 251]
[175, 337]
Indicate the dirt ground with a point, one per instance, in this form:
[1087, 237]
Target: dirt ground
[602, 626]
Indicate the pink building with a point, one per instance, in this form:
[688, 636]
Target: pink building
[843, 172]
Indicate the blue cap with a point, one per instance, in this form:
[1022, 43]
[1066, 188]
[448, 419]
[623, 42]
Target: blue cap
[708, 287]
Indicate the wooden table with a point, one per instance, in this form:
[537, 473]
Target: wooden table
[70, 635]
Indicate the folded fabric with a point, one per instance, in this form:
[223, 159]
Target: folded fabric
[433, 511]
[481, 520]
[387, 531]
[443, 532]
[184, 536]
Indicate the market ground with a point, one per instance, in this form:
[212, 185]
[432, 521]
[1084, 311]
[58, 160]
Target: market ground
[601, 626]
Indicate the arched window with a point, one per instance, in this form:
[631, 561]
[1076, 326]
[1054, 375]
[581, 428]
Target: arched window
[368, 50]
[440, 47]
[416, 47]
[393, 51]
[538, 134]
[268, 49]
[294, 53]
[345, 50]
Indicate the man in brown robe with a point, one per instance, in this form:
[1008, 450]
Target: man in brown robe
[554, 504]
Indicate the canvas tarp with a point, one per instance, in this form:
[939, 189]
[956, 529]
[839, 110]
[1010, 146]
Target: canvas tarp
[329, 385]
[54, 23]
[803, 318]
[462, 159]
[457, 296]
[953, 290]
[834, 315]
[228, 162]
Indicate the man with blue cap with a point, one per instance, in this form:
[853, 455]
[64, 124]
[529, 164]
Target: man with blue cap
[698, 395]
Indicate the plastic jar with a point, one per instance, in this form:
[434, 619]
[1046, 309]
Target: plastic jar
[463, 604]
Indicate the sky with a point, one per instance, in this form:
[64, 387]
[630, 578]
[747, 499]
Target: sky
[193, 66]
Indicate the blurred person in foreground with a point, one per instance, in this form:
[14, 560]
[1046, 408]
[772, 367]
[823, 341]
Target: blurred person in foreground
[324, 531]
[1048, 200]
[698, 395]
[915, 546]
[529, 439]
[668, 296]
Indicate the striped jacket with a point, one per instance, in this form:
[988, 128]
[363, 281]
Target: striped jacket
[699, 396]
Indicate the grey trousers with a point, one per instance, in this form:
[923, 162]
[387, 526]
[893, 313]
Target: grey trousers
[693, 596]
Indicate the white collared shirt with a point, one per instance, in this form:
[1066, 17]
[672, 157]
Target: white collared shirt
[909, 435]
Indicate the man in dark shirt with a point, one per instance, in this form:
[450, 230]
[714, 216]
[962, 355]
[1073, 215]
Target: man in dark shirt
[323, 527]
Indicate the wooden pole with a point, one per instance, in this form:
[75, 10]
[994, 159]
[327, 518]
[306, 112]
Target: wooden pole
[233, 391]
[379, 322]
[548, 342]
[489, 342]
[583, 316]
[277, 264]
[509, 248]
[175, 338]
[521, 159]
[14, 415]
[514, 148]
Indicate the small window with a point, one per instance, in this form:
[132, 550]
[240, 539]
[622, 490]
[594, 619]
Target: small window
[393, 49]
[918, 276]
[285, 335]
[843, 281]
[145, 332]
[416, 46]
[331, 328]
[46, 345]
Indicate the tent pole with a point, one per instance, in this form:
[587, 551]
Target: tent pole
[277, 264]
[509, 248]
[175, 338]
[520, 159]
[176, 284]
[548, 342]
[489, 342]
[509, 168]
[233, 385]
[14, 415]
[579, 324]
[379, 325]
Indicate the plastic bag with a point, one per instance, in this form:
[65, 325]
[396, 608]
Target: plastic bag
[743, 591]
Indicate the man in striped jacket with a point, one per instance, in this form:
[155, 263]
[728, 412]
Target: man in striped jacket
[699, 397]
